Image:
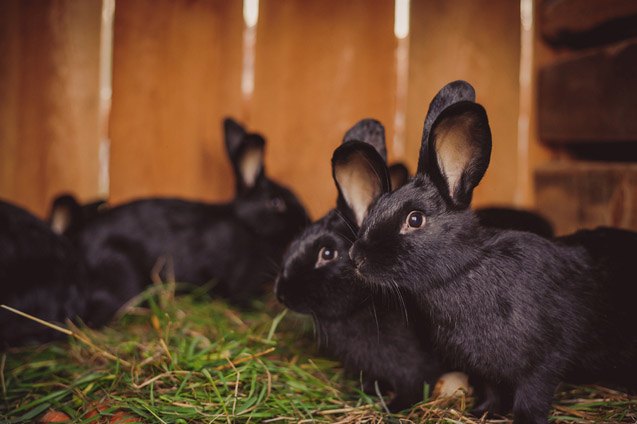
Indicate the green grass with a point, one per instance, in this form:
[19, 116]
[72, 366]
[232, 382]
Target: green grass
[192, 360]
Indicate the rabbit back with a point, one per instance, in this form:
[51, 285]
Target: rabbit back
[197, 242]
[610, 355]
[40, 274]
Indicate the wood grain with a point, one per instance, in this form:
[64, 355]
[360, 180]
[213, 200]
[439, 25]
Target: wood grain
[576, 195]
[176, 74]
[586, 23]
[590, 98]
[49, 68]
[463, 39]
[321, 65]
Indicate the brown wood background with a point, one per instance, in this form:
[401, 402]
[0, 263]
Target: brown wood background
[176, 74]
[49, 67]
[587, 71]
[320, 66]
[456, 39]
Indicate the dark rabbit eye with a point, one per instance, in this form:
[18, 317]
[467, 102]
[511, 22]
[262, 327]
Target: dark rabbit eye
[415, 220]
[277, 204]
[326, 255]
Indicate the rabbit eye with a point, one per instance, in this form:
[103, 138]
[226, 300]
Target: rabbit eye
[415, 220]
[277, 204]
[326, 255]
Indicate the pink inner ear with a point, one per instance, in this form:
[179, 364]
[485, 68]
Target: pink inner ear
[453, 149]
[250, 165]
[359, 185]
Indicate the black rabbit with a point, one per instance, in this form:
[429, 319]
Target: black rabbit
[236, 245]
[514, 219]
[521, 312]
[67, 216]
[354, 324]
[41, 274]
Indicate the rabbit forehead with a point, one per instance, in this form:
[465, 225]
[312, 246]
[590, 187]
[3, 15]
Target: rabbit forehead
[420, 193]
[325, 230]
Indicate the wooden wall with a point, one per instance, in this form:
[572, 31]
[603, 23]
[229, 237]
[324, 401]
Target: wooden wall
[49, 69]
[587, 77]
[480, 43]
[176, 74]
[320, 66]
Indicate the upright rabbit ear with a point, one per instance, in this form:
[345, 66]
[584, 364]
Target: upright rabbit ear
[248, 162]
[399, 175]
[454, 92]
[65, 210]
[361, 176]
[245, 151]
[369, 131]
[459, 149]
[233, 134]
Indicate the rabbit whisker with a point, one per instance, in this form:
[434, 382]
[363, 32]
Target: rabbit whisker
[401, 300]
[376, 320]
[346, 238]
[346, 221]
[276, 265]
[318, 330]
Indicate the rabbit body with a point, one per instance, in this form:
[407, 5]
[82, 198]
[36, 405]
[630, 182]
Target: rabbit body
[110, 257]
[372, 335]
[67, 216]
[515, 219]
[519, 312]
[40, 274]
[368, 333]
[610, 356]
[200, 243]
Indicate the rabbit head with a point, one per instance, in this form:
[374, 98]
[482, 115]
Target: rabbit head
[269, 209]
[425, 231]
[67, 216]
[317, 275]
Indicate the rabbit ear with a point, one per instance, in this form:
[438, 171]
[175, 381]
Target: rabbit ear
[369, 131]
[454, 92]
[65, 209]
[245, 151]
[399, 175]
[233, 134]
[361, 176]
[248, 162]
[459, 151]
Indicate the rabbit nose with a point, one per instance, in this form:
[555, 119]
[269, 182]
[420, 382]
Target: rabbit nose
[356, 257]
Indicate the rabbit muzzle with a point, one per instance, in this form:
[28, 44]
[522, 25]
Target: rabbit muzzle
[357, 258]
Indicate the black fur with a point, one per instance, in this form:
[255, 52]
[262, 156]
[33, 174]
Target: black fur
[358, 326]
[77, 215]
[236, 246]
[40, 274]
[515, 219]
[398, 174]
[519, 311]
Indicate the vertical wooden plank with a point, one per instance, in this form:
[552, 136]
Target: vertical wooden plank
[176, 74]
[321, 65]
[49, 67]
[478, 41]
[531, 152]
